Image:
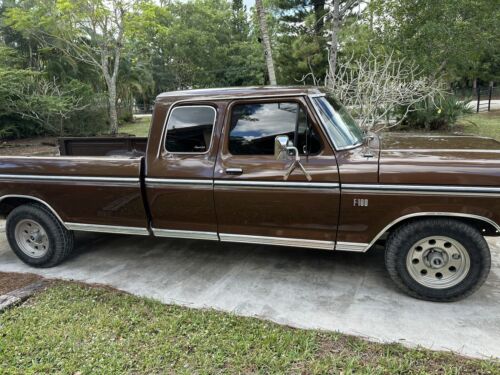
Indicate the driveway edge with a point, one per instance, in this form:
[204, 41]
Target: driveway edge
[20, 295]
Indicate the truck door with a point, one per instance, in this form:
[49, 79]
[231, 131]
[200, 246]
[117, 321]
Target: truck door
[179, 169]
[254, 201]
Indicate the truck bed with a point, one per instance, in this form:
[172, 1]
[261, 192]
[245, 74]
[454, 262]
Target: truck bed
[87, 193]
[103, 146]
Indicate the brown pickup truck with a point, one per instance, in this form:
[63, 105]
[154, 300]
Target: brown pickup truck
[275, 166]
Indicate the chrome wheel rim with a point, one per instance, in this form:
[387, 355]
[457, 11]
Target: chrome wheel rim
[31, 238]
[438, 262]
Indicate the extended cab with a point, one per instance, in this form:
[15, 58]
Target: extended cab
[275, 166]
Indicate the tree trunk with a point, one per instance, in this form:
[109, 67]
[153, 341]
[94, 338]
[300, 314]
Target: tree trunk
[261, 14]
[332, 58]
[113, 114]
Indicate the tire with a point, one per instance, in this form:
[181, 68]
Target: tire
[440, 260]
[37, 236]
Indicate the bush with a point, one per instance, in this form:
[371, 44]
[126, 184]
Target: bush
[439, 114]
[92, 116]
[13, 127]
[30, 105]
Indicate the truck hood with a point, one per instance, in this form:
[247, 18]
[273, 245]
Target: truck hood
[439, 160]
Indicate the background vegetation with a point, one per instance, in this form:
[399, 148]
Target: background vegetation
[77, 67]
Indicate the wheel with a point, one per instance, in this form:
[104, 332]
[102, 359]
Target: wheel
[440, 259]
[37, 236]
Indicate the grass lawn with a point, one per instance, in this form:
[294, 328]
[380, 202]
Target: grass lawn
[483, 123]
[139, 128]
[76, 329]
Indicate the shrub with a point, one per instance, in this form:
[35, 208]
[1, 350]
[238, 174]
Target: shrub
[441, 113]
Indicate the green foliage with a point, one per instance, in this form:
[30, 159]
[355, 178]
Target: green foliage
[450, 38]
[170, 45]
[201, 43]
[439, 114]
[301, 42]
[31, 104]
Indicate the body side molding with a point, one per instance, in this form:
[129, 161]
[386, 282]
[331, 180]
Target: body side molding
[278, 241]
[432, 189]
[190, 234]
[356, 247]
[107, 229]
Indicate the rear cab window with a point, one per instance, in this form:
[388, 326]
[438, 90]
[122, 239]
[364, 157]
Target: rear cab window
[190, 129]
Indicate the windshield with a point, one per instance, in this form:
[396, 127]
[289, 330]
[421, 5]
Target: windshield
[341, 127]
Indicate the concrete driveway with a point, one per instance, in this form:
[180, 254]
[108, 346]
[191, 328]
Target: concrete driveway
[345, 292]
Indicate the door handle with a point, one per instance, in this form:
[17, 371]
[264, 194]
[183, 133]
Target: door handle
[234, 171]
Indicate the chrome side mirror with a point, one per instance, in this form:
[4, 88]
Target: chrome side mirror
[281, 147]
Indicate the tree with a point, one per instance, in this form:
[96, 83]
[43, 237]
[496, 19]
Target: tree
[376, 87]
[201, 43]
[448, 38]
[340, 10]
[90, 31]
[266, 41]
[29, 96]
[309, 37]
[300, 40]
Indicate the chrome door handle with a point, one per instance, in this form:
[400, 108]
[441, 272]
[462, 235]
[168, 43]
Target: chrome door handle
[234, 171]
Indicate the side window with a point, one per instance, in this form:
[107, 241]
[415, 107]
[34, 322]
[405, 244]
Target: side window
[189, 129]
[254, 127]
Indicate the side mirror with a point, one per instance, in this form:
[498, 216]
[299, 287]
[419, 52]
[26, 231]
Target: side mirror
[281, 147]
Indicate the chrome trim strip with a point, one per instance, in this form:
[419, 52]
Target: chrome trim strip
[197, 235]
[177, 181]
[73, 158]
[444, 150]
[39, 201]
[352, 246]
[443, 214]
[69, 178]
[277, 241]
[279, 184]
[421, 188]
[107, 229]
[194, 98]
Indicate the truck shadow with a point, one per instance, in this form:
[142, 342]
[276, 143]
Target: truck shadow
[192, 261]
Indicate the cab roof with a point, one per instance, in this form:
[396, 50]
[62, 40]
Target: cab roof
[237, 92]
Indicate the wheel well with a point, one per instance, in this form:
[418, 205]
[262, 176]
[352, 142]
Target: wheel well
[483, 226]
[8, 203]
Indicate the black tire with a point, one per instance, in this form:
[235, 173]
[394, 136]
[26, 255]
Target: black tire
[402, 240]
[60, 240]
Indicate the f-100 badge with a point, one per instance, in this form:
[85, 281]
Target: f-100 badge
[360, 202]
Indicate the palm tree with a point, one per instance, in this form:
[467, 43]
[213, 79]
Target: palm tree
[261, 14]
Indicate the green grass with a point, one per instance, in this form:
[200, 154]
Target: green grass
[486, 124]
[139, 128]
[71, 328]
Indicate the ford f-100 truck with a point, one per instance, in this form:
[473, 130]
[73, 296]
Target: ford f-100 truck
[275, 166]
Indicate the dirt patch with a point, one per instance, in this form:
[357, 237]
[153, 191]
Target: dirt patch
[373, 355]
[43, 146]
[12, 281]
